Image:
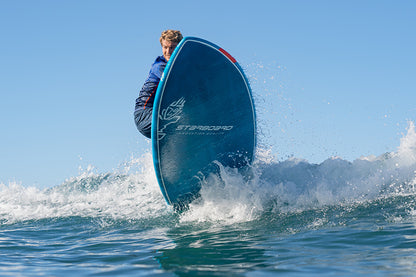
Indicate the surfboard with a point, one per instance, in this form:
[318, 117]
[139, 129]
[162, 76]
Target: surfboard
[203, 114]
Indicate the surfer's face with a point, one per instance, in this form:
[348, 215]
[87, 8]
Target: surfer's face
[167, 48]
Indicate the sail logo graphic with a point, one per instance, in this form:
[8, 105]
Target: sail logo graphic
[172, 114]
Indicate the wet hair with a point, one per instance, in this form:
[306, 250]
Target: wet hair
[171, 35]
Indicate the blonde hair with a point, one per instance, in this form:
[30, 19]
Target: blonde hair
[171, 35]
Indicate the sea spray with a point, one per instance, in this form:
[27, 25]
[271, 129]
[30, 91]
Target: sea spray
[295, 185]
[133, 194]
[268, 187]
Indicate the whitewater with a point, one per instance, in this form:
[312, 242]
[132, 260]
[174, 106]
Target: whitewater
[290, 217]
[285, 217]
[132, 192]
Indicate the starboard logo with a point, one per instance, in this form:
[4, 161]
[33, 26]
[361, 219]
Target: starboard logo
[173, 113]
[203, 128]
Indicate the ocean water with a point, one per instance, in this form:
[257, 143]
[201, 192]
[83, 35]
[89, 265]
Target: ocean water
[285, 217]
[289, 218]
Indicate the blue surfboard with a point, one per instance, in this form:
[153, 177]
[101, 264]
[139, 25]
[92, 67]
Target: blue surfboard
[203, 114]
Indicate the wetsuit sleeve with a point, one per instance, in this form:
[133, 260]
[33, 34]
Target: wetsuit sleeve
[147, 93]
[156, 72]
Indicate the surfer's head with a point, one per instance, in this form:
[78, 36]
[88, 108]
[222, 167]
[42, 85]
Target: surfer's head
[169, 40]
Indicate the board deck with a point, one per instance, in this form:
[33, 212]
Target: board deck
[203, 113]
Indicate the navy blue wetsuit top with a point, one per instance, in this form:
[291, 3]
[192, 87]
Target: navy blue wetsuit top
[148, 91]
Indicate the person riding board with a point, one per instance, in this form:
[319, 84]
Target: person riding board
[144, 103]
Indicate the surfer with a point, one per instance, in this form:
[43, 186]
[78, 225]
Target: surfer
[144, 103]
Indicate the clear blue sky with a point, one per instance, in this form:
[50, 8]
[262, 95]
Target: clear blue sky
[330, 77]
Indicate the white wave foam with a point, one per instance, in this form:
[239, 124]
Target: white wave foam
[132, 192]
[296, 185]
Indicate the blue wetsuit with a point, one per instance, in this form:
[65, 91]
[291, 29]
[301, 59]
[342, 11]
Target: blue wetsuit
[144, 103]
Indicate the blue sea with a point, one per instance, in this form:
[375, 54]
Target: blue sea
[289, 218]
[284, 216]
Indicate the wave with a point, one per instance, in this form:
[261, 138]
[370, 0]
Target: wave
[296, 185]
[268, 189]
[117, 195]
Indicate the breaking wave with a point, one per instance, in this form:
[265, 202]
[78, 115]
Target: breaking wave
[268, 188]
